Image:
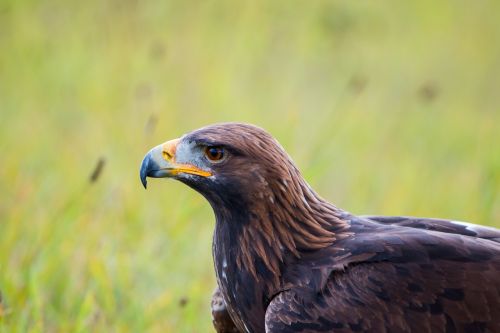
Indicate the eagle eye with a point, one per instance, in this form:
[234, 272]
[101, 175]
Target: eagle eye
[215, 154]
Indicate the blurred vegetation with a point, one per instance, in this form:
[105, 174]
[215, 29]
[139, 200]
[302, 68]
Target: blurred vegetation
[389, 108]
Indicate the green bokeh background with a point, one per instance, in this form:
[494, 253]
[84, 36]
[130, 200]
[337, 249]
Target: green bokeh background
[387, 107]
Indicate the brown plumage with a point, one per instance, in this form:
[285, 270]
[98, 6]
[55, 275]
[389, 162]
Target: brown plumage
[288, 261]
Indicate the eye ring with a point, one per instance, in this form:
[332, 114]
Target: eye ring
[215, 154]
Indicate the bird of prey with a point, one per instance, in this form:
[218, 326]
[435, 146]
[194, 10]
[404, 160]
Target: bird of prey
[287, 260]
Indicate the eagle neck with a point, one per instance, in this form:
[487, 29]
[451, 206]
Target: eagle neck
[255, 241]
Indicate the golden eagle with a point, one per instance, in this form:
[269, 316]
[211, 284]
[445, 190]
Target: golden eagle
[288, 261]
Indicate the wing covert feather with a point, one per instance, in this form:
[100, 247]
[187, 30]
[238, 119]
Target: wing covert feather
[441, 296]
[441, 225]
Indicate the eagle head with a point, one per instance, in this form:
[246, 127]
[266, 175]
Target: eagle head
[231, 164]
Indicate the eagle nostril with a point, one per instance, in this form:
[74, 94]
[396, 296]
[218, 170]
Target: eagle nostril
[167, 155]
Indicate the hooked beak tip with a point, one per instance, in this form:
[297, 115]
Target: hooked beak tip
[144, 170]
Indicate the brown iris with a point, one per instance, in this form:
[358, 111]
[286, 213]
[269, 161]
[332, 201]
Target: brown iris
[214, 154]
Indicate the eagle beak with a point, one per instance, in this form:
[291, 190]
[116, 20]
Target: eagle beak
[159, 162]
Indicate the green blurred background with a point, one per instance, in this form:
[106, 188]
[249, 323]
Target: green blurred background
[387, 107]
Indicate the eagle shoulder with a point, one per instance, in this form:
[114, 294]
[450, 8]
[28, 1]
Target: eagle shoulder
[395, 280]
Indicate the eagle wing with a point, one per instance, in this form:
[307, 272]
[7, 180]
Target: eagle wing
[407, 280]
[441, 225]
